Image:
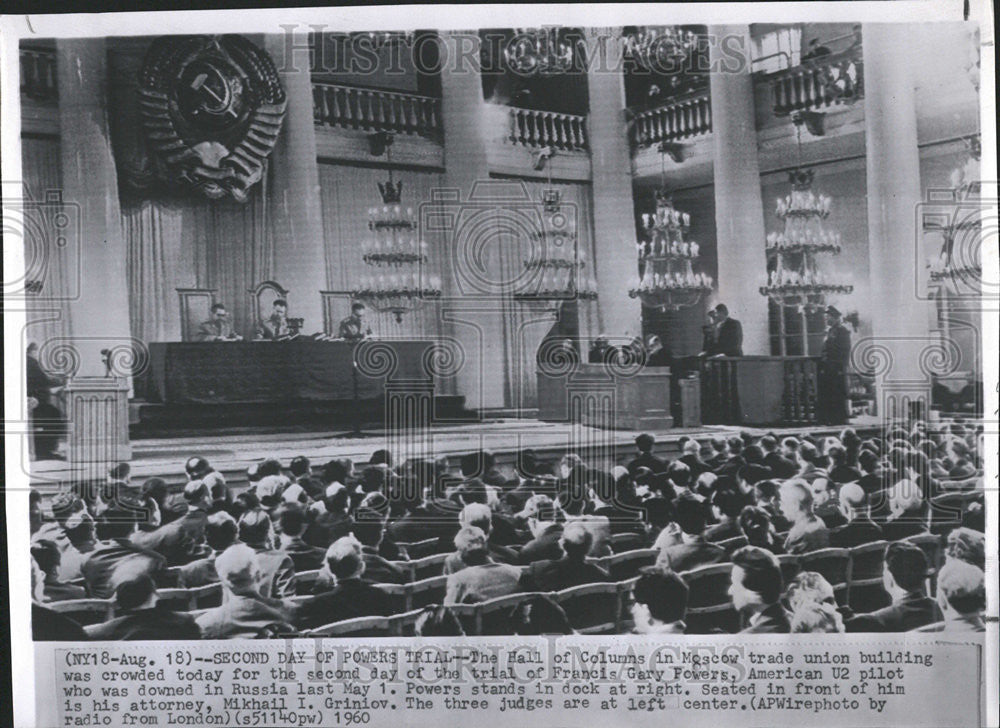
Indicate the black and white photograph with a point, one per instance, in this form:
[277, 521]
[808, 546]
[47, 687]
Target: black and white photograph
[571, 340]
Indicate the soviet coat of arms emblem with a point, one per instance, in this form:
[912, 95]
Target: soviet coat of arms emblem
[212, 108]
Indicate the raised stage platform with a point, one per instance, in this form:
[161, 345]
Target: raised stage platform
[232, 453]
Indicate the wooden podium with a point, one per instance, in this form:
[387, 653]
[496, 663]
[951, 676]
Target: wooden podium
[97, 416]
[599, 396]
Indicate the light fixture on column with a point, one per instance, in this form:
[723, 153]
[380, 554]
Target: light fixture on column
[667, 280]
[960, 226]
[546, 51]
[662, 48]
[396, 247]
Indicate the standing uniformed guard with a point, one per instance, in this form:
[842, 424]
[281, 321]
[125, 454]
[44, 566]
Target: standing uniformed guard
[832, 404]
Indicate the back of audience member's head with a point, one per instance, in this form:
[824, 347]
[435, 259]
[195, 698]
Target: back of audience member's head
[796, 497]
[765, 491]
[759, 574]
[238, 568]
[197, 493]
[659, 511]
[369, 527]
[245, 502]
[473, 491]
[853, 498]
[679, 474]
[438, 621]
[808, 453]
[253, 472]
[907, 564]
[381, 457]
[478, 515]
[116, 523]
[718, 443]
[334, 471]
[271, 466]
[299, 466]
[965, 544]
[471, 544]
[868, 461]
[704, 484]
[905, 497]
[768, 444]
[156, 489]
[809, 587]
[65, 505]
[816, 618]
[755, 524]
[134, 593]
[690, 514]
[196, 467]
[691, 447]
[791, 444]
[962, 588]
[538, 615]
[644, 442]
[576, 540]
[79, 528]
[292, 520]
[270, 489]
[728, 500]
[47, 555]
[255, 529]
[734, 445]
[337, 498]
[753, 473]
[753, 454]
[344, 559]
[663, 594]
[476, 463]
[221, 531]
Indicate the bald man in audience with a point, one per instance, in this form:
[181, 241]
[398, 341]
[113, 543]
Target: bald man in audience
[860, 528]
[961, 595]
[570, 570]
[277, 570]
[482, 579]
[353, 596]
[807, 532]
[244, 612]
[903, 577]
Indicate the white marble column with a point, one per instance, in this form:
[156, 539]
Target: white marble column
[739, 212]
[899, 319]
[614, 205]
[294, 197]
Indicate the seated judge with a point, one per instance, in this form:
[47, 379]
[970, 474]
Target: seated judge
[276, 326]
[353, 327]
[219, 327]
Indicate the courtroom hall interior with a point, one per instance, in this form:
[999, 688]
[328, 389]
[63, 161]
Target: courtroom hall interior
[615, 286]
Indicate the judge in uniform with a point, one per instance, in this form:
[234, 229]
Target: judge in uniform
[832, 379]
[275, 326]
[219, 327]
[353, 327]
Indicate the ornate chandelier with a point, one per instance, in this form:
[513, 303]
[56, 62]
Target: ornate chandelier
[660, 48]
[668, 281]
[539, 51]
[557, 268]
[963, 225]
[395, 245]
[795, 279]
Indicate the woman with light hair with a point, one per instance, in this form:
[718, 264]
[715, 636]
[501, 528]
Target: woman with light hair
[906, 511]
[816, 618]
[809, 587]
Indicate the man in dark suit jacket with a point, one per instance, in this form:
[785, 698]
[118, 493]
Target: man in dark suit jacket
[692, 458]
[571, 570]
[693, 550]
[115, 558]
[781, 466]
[292, 523]
[860, 528]
[369, 529]
[727, 336]
[217, 328]
[351, 597]
[904, 575]
[141, 618]
[183, 540]
[333, 521]
[645, 458]
[756, 591]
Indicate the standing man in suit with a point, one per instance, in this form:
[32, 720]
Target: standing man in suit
[46, 417]
[727, 334]
[756, 591]
[219, 327]
[833, 365]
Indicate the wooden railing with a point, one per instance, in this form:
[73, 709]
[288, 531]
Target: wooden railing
[818, 83]
[38, 74]
[679, 118]
[349, 107]
[759, 390]
[533, 128]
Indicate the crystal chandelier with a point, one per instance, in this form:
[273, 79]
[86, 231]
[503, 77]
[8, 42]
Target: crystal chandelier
[539, 51]
[396, 246]
[668, 281]
[660, 48]
[795, 280]
[963, 225]
[557, 267]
